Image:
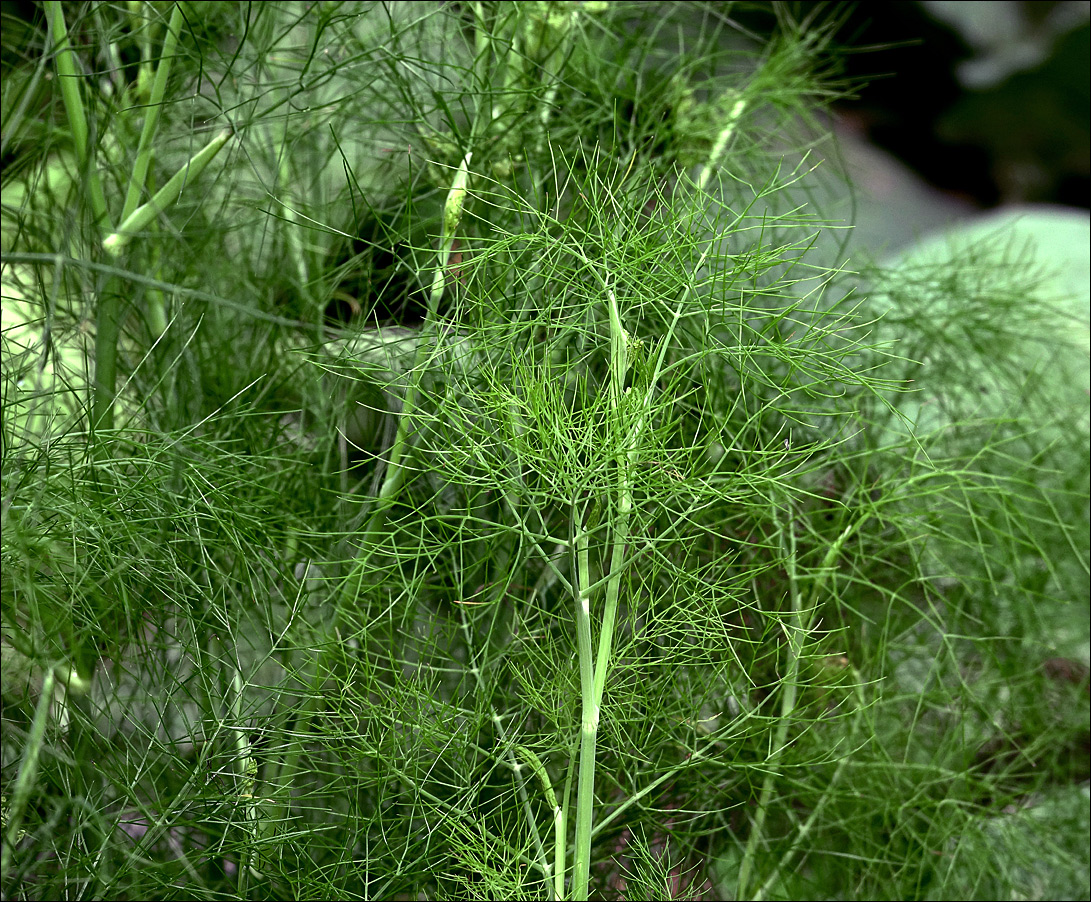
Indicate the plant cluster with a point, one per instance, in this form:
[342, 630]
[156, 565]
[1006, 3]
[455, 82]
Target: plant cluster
[438, 464]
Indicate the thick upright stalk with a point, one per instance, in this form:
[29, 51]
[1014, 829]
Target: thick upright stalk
[138, 178]
[619, 364]
[593, 676]
[585, 787]
[75, 113]
[107, 312]
[629, 420]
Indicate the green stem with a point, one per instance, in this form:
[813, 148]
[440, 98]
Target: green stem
[165, 196]
[108, 318]
[482, 47]
[789, 692]
[395, 471]
[594, 676]
[107, 312]
[798, 625]
[142, 32]
[151, 116]
[596, 673]
[28, 770]
[563, 826]
[247, 781]
[69, 82]
[107, 333]
[585, 789]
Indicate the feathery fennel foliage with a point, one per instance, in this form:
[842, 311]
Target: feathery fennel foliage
[434, 466]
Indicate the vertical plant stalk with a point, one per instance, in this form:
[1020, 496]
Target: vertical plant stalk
[247, 782]
[134, 217]
[395, 470]
[139, 175]
[107, 309]
[69, 82]
[593, 674]
[138, 181]
[28, 770]
[798, 626]
[142, 32]
[585, 786]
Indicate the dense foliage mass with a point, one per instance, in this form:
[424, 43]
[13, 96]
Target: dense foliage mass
[440, 460]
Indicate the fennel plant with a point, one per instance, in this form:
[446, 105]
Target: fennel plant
[477, 487]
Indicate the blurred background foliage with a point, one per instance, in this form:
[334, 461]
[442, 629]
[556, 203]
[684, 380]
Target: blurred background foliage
[988, 100]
